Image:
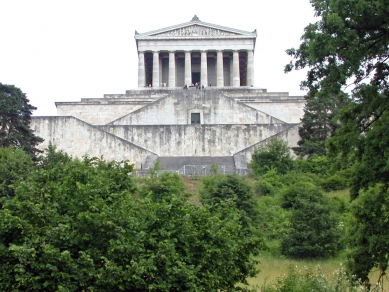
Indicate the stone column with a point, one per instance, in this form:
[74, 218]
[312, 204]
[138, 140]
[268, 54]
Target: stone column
[204, 69]
[231, 76]
[235, 69]
[155, 69]
[141, 70]
[188, 69]
[219, 70]
[172, 70]
[250, 68]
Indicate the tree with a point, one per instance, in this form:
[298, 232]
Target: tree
[274, 154]
[368, 235]
[313, 230]
[77, 226]
[348, 47]
[15, 117]
[319, 123]
[219, 188]
[15, 166]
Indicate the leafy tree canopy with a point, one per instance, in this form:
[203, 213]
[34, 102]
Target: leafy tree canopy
[15, 165]
[348, 48]
[76, 226]
[274, 154]
[15, 117]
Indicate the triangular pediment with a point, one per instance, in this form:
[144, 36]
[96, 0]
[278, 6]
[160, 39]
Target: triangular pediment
[195, 28]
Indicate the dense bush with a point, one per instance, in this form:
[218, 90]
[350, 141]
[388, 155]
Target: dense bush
[220, 188]
[334, 183]
[15, 165]
[273, 219]
[168, 183]
[275, 154]
[269, 183]
[76, 226]
[314, 164]
[313, 229]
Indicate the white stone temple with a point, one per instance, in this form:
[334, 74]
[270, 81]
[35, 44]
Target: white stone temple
[196, 52]
[220, 121]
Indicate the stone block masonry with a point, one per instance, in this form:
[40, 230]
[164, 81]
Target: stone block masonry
[172, 123]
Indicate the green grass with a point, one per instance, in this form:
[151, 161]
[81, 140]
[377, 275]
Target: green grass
[273, 268]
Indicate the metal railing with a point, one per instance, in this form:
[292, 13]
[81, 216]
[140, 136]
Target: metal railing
[199, 170]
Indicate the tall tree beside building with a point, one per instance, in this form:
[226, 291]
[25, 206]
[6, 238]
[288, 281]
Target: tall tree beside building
[15, 117]
[319, 123]
[348, 47]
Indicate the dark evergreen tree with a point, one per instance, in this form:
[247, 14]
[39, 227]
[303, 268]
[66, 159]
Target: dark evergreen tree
[15, 117]
[319, 123]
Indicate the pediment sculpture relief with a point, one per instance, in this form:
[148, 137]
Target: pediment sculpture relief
[196, 30]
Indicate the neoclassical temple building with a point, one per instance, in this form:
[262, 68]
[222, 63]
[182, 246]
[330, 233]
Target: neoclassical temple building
[221, 122]
[196, 52]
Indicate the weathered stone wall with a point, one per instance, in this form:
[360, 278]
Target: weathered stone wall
[196, 140]
[213, 105]
[96, 114]
[290, 135]
[289, 111]
[78, 138]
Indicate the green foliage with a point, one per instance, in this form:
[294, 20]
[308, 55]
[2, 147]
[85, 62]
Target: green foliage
[155, 169]
[53, 158]
[319, 122]
[76, 226]
[314, 164]
[273, 220]
[306, 279]
[368, 234]
[167, 183]
[214, 169]
[275, 154]
[219, 188]
[269, 183]
[334, 183]
[15, 117]
[15, 165]
[313, 229]
[363, 139]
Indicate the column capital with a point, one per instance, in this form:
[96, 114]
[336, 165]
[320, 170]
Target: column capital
[156, 52]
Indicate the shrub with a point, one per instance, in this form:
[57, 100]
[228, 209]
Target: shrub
[275, 154]
[269, 183]
[78, 227]
[303, 280]
[313, 229]
[334, 183]
[14, 166]
[220, 188]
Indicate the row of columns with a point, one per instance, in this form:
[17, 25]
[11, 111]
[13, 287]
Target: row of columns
[203, 71]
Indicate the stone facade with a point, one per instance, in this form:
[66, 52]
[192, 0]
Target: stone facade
[196, 52]
[228, 120]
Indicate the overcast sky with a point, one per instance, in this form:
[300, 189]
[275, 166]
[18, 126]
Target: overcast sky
[65, 50]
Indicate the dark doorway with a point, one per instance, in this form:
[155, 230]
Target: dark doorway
[195, 118]
[195, 77]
